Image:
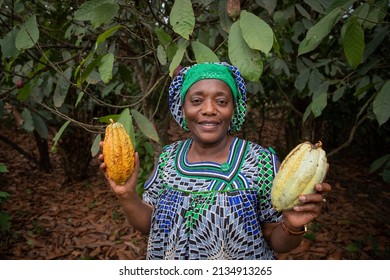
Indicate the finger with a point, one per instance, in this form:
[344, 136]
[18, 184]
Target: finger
[101, 144]
[323, 187]
[102, 166]
[101, 157]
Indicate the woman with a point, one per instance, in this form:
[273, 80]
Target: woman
[209, 196]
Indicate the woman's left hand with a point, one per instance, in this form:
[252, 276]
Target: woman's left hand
[309, 209]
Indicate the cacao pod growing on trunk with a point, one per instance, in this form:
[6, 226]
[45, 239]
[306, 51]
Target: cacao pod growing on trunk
[118, 152]
[303, 167]
[233, 9]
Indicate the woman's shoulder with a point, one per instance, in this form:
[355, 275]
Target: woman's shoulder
[257, 148]
[169, 148]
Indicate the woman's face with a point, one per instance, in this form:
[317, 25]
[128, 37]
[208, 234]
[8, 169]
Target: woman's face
[208, 109]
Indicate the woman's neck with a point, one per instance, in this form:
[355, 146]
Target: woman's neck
[215, 152]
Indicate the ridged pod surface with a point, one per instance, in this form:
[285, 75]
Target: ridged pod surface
[302, 168]
[118, 152]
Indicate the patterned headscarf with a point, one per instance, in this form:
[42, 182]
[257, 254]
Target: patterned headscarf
[181, 83]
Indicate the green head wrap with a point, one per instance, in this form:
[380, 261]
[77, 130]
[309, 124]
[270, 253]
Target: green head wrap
[208, 71]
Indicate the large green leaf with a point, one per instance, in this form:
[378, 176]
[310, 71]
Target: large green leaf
[319, 31]
[381, 104]
[203, 53]
[97, 11]
[105, 67]
[353, 41]
[163, 37]
[178, 56]
[28, 34]
[63, 83]
[126, 120]
[7, 44]
[145, 126]
[182, 18]
[242, 56]
[256, 32]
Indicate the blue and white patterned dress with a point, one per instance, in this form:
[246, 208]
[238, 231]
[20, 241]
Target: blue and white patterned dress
[211, 211]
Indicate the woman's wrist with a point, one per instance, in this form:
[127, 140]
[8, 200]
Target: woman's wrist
[293, 230]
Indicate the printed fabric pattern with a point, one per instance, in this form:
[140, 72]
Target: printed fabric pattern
[208, 210]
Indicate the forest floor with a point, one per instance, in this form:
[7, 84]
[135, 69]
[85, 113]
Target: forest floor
[52, 219]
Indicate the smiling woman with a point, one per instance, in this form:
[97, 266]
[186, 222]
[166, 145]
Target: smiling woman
[209, 195]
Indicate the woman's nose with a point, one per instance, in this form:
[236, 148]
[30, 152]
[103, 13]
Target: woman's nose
[208, 107]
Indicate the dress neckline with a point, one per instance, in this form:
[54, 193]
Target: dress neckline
[225, 171]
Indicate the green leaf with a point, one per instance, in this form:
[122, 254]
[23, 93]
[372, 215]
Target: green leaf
[224, 20]
[379, 162]
[256, 32]
[203, 53]
[320, 99]
[126, 119]
[89, 69]
[302, 11]
[314, 80]
[58, 135]
[28, 35]
[307, 113]
[176, 60]
[182, 18]
[40, 126]
[353, 41]
[95, 148]
[105, 67]
[106, 34]
[145, 126]
[97, 11]
[242, 56]
[269, 5]
[63, 84]
[28, 122]
[338, 94]
[381, 104]
[24, 93]
[316, 5]
[319, 31]
[7, 44]
[161, 55]
[302, 78]
[164, 38]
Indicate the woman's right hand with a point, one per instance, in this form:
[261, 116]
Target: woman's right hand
[128, 190]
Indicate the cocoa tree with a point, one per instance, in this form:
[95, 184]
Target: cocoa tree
[321, 65]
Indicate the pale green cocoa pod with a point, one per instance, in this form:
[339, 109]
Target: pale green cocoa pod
[303, 167]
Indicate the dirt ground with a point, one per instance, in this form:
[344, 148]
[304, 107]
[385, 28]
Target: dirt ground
[56, 220]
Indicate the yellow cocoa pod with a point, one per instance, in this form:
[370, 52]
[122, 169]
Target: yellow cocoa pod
[302, 168]
[118, 152]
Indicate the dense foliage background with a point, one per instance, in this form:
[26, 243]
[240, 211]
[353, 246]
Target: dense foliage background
[319, 68]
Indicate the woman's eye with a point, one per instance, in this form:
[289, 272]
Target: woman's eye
[196, 101]
[222, 102]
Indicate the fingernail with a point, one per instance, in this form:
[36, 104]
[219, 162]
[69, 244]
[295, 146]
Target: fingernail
[302, 198]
